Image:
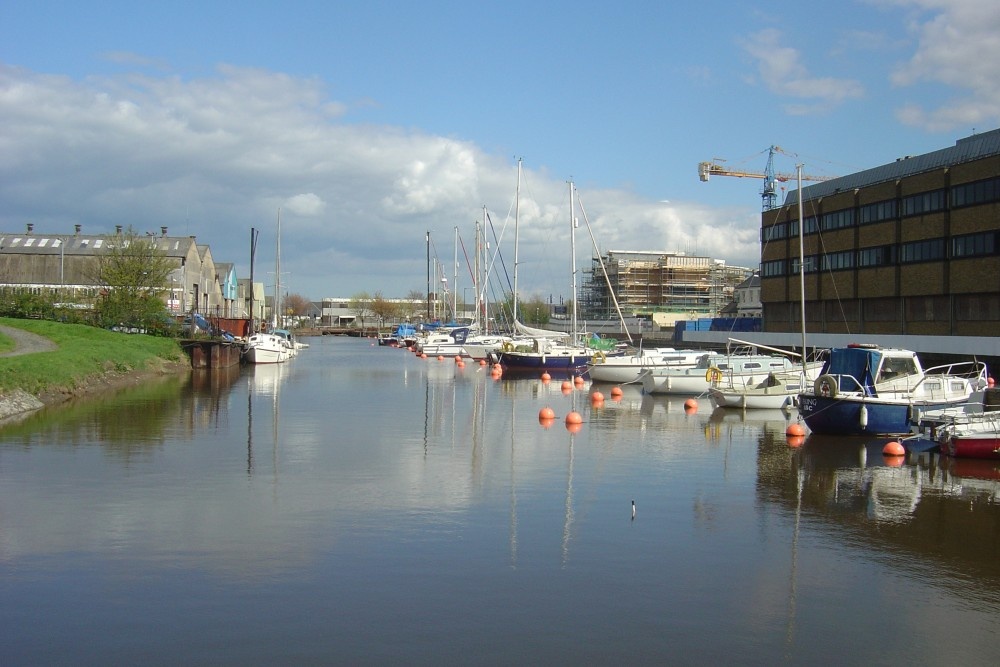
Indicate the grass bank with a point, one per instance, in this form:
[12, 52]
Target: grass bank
[86, 357]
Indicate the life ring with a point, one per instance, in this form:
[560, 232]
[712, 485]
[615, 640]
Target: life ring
[826, 386]
[508, 346]
[713, 375]
[598, 358]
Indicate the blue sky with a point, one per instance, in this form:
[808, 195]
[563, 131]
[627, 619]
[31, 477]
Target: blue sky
[370, 124]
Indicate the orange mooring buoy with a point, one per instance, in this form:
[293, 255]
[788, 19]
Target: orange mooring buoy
[893, 448]
[691, 404]
[546, 377]
[574, 417]
[795, 430]
[597, 398]
[546, 413]
[616, 391]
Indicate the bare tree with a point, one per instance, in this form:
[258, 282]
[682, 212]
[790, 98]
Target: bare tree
[296, 304]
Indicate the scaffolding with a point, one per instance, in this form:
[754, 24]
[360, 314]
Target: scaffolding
[647, 282]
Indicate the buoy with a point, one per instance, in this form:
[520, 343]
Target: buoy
[795, 430]
[458, 358]
[567, 385]
[440, 357]
[795, 441]
[691, 404]
[893, 448]
[546, 377]
[578, 380]
[482, 362]
[423, 355]
[616, 391]
[597, 398]
[460, 364]
[990, 382]
[574, 417]
[546, 413]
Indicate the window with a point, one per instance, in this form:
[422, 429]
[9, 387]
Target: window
[974, 245]
[879, 211]
[810, 225]
[980, 192]
[773, 268]
[838, 219]
[837, 261]
[921, 251]
[925, 202]
[878, 256]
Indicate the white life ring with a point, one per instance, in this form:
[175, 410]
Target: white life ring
[826, 386]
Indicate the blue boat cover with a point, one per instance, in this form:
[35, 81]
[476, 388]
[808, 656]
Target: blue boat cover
[857, 362]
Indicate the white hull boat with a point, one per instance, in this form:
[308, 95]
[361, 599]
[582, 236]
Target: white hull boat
[265, 348]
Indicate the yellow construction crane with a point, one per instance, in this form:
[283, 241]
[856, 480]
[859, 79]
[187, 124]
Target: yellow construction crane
[768, 193]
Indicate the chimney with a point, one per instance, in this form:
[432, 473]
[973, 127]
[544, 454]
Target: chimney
[31, 227]
[118, 230]
[163, 231]
[78, 228]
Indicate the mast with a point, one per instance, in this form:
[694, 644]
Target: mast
[428, 239]
[802, 271]
[517, 210]
[454, 285]
[572, 246]
[253, 252]
[277, 275]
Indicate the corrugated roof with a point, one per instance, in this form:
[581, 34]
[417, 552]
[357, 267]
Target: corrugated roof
[974, 147]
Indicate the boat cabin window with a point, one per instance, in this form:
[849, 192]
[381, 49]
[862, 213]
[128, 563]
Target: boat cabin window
[778, 364]
[896, 367]
[751, 365]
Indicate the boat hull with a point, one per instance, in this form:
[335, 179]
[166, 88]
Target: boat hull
[986, 446]
[521, 361]
[752, 400]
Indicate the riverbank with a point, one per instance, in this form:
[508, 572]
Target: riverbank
[46, 363]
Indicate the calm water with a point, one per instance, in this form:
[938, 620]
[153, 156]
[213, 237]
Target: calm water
[361, 506]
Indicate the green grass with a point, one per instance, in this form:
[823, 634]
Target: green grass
[83, 352]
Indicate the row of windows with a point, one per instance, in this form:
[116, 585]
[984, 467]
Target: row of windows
[968, 245]
[967, 194]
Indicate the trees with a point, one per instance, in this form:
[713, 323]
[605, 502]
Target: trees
[132, 272]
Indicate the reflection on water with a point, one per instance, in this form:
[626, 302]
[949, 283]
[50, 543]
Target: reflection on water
[360, 505]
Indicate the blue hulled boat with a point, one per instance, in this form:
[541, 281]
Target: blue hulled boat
[868, 390]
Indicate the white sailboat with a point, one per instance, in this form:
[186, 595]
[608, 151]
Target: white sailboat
[271, 348]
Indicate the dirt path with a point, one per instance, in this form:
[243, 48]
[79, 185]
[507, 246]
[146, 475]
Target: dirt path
[26, 342]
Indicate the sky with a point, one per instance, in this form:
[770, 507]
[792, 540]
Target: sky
[373, 126]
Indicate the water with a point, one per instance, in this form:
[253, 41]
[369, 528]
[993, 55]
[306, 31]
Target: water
[361, 506]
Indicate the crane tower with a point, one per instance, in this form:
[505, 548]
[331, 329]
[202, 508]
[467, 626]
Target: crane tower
[769, 191]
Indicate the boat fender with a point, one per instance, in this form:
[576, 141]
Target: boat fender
[713, 375]
[826, 385]
[863, 416]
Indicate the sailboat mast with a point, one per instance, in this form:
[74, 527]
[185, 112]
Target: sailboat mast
[454, 285]
[277, 274]
[572, 252]
[802, 271]
[517, 211]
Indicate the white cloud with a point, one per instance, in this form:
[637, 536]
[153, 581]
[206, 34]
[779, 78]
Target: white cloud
[958, 45]
[782, 72]
[215, 156]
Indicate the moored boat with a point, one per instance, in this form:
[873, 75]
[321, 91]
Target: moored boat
[625, 369]
[869, 390]
[972, 436]
[713, 368]
[266, 348]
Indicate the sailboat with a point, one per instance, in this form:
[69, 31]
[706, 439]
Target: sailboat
[777, 389]
[269, 347]
[542, 349]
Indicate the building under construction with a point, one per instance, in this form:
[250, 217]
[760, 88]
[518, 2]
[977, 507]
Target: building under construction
[648, 283]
